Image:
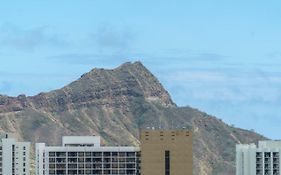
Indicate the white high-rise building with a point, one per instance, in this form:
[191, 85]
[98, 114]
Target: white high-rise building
[84, 155]
[261, 160]
[14, 156]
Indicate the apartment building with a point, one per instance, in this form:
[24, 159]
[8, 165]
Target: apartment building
[85, 155]
[14, 156]
[261, 159]
[166, 152]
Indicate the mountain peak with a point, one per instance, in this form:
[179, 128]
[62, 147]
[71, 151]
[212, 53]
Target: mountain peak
[129, 79]
[107, 87]
[126, 65]
[132, 64]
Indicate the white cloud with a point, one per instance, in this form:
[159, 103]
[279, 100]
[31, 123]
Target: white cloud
[224, 86]
[15, 37]
[113, 38]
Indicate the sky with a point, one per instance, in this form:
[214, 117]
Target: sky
[222, 57]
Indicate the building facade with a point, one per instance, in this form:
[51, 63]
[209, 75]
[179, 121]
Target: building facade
[166, 152]
[14, 156]
[84, 155]
[263, 159]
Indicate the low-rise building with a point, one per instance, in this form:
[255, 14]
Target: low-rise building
[85, 155]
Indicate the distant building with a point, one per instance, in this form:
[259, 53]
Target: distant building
[14, 156]
[166, 152]
[261, 160]
[85, 155]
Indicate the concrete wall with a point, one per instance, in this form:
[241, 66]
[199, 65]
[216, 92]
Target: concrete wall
[154, 143]
[19, 158]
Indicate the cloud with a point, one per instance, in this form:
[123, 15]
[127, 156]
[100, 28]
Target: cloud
[107, 45]
[74, 58]
[110, 37]
[106, 38]
[16, 83]
[209, 57]
[15, 37]
[192, 55]
[187, 55]
[231, 86]
[101, 59]
[164, 60]
[197, 76]
[249, 98]
[274, 55]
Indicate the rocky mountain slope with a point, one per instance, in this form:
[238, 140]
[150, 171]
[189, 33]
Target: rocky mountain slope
[116, 104]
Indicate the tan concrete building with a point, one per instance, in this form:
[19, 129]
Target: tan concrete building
[166, 152]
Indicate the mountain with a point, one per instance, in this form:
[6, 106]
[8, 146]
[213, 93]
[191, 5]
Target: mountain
[116, 104]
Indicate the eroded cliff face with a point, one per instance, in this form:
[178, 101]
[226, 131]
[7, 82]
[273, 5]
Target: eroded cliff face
[116, 104]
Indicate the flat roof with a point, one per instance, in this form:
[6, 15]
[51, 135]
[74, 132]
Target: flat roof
[93, 149]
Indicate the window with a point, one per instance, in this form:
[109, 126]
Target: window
[51, 154]
[167, 162]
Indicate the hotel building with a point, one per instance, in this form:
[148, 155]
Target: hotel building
[14, 156]
[166, 152]
[263, 159]
[85, 155]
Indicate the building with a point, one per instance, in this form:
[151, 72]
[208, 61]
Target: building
[85, 155]
[263, 159]
[14, 156]
[166, 152]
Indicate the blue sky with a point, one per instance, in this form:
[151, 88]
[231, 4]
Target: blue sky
[221, 57]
